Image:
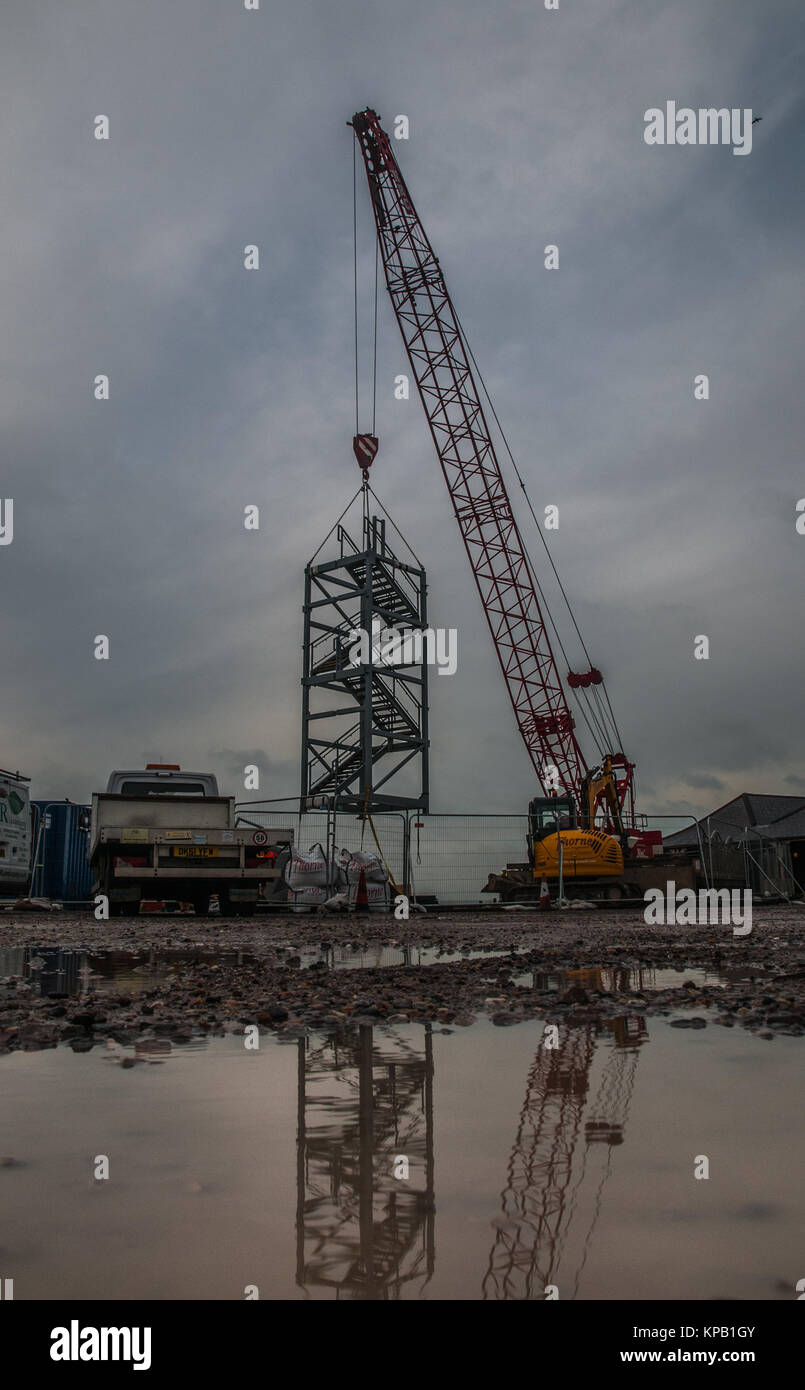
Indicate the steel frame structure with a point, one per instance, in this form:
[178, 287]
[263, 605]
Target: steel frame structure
[353, 749]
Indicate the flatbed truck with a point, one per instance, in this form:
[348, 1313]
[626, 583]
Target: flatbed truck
[159, 832]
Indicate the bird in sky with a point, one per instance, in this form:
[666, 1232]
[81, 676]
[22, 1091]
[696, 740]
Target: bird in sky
[757, 118]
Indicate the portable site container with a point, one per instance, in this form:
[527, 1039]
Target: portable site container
[61, 851]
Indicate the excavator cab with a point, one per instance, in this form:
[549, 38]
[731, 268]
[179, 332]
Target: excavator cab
[587, 853]
[546, 814]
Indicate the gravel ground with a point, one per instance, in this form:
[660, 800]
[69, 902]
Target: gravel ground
[761, 985]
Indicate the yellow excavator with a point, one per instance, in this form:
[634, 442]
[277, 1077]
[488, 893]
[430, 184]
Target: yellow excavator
[571, 851]
[585, 851]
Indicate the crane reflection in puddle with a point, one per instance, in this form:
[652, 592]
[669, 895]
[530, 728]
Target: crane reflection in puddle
[561, 1158]
[365, 1103]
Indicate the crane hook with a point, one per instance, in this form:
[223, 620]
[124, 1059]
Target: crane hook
[365, 447]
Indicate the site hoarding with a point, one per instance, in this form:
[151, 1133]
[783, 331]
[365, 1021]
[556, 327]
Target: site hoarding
[15, 833]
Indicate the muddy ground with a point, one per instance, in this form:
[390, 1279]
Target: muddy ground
[285, 983]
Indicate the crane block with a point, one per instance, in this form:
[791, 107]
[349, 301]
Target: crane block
[365, 447]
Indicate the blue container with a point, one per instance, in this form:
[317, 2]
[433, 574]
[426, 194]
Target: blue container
[61, 852]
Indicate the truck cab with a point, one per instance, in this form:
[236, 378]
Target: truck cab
[162, 779]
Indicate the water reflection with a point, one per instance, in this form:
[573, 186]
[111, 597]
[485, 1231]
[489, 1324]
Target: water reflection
[63, 971]
[618, 979]
[363, 1105]
[364, 1111]
[60, 971]
[365, 1101]
[554, 1164]
[53, 970]
[276, 1167]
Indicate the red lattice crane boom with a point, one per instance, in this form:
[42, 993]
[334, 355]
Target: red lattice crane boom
[441, 368]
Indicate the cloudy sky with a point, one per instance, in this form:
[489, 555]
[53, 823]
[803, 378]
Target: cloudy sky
[229, 387]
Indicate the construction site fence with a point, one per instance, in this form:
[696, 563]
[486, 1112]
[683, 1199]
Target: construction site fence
[448, 855]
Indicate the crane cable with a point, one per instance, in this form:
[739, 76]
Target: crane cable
[355, 267]
[337, 523]
[355, 298]
[598, 732]
[374, 348]
[520, 480]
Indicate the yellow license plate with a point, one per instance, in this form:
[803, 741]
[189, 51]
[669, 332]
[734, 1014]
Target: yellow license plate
[195, 851]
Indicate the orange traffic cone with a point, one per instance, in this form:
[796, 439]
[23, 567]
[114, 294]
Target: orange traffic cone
[362, 897]
[544, 895]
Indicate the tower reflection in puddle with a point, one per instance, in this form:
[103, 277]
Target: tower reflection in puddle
[365, 1113]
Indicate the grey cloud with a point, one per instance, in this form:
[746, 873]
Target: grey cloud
[229, 388]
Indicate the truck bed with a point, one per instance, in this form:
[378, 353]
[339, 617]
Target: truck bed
[141, 852]
[113, 814]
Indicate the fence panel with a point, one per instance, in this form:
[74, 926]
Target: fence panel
[311, 828]
[453, 855]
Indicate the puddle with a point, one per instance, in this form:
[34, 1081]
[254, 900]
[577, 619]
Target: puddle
[58, 972]
[617, 980]
[399, 1163]
[378, 955]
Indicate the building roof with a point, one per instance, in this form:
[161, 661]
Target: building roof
[747, 817]
[790, 827]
